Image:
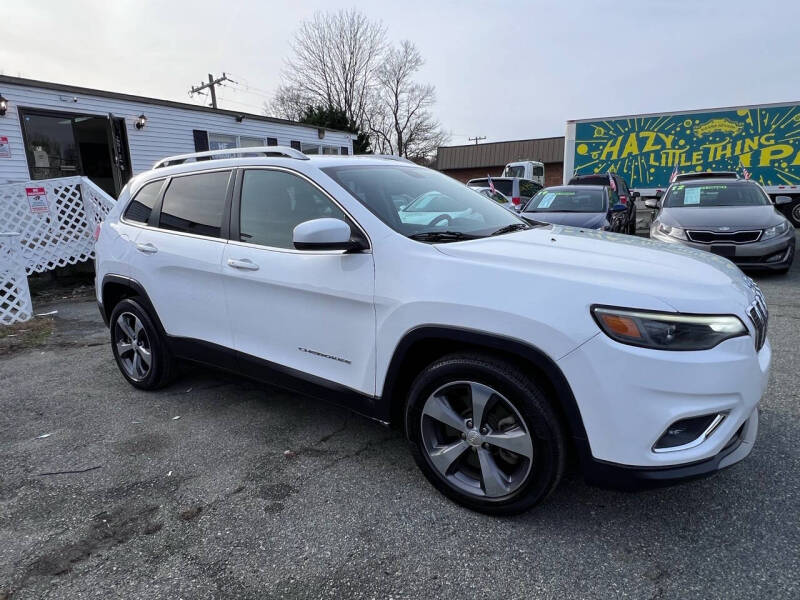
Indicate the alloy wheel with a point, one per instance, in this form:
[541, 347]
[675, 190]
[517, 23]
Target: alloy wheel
[133, 346]
[476, 440]
[796, 213]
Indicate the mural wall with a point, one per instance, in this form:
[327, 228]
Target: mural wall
[645, 150]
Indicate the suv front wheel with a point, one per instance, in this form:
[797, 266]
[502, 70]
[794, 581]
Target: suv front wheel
[141, 354]
[484, 434]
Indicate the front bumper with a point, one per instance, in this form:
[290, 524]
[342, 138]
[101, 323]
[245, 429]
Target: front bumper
[776, 253]
[628, 397]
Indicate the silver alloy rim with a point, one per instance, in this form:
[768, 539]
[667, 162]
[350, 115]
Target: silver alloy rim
[133, 346]
[476, 440]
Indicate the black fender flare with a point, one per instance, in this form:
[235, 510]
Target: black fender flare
[477, 339]
[137, 289]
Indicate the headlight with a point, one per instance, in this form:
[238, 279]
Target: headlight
[675, 232]
[667, 331]
[772, 232]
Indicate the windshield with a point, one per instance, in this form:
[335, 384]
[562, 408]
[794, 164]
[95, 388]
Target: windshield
[704, 196]
[517, 171]
[412, 200]
[501, 185]
[561, 200]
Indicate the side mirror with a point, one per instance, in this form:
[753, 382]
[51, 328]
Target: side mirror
[619, 207]
[779, 200]
[636, 194]
[652, 202]
[659, 193]
[324, 234]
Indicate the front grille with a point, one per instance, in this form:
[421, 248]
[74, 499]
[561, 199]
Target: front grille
[759, 316]
[725, 237]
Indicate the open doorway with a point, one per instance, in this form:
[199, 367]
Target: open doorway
[59, 144]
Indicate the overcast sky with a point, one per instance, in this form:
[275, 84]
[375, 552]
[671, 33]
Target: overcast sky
[504, 70]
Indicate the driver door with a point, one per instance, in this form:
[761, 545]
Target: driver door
[310, 311]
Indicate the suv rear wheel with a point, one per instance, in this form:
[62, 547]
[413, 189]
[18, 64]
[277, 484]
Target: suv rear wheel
[141, 354]
[484, 434]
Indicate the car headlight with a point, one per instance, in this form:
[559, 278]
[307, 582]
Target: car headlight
[667, 331]
[775, 231]
[675, 232]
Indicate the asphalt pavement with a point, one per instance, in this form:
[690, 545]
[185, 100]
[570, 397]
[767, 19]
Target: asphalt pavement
[223, 488]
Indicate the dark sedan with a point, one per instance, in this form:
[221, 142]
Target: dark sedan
[587, 206]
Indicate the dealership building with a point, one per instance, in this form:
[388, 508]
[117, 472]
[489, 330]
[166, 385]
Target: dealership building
[479, 160]
[50, 130]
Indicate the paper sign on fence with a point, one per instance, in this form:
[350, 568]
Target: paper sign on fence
[37, 199]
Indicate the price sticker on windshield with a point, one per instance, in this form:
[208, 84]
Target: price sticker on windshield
[691, 196]
[547, 200]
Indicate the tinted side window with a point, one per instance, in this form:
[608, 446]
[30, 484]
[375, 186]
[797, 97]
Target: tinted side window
[273, 203]
[143, 202]
[528, 188]
[195, 203]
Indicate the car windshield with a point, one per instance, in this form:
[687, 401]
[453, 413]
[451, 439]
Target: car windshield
[414, 201]
[501, 185]
[565, 200]
[701, 195]
[515, 171]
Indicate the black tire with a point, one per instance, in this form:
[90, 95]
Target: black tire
[162, 365]
[794, 214]
[513, 387]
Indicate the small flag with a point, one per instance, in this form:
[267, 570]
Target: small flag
[611, 182]
[745, 172]
[674, 171]
[491, 184]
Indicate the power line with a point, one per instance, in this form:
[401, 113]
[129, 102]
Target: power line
[210, 86]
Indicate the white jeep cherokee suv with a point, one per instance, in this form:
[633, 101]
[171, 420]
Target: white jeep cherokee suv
[499, 346]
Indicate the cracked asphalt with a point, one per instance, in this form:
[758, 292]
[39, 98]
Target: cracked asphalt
[222, 488]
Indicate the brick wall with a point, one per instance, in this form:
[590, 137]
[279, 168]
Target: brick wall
[553, 173]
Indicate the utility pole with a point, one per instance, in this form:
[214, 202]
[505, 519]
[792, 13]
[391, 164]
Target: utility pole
[476, 139]
[211, 85]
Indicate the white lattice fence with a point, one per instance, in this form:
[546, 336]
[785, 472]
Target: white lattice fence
[55, 221]
[15, 298]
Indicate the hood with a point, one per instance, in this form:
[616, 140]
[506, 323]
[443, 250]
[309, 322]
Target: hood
[589, 220]
[686, 279]
[734, 217]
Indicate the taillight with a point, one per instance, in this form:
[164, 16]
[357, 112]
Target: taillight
[97, 232]
[623, 199]
[515, 201]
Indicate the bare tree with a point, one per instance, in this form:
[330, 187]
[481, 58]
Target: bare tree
[335, 56]
[399, 118]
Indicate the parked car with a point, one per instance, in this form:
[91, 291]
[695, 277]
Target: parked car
[619, 187]
[518, 189]
[526, 169]
[302, 273]
[495, 195]
[587, 206]
[734, 218]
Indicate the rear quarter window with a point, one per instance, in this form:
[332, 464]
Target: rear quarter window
[143, 202]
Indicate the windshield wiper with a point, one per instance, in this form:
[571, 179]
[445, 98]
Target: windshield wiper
[510, 228]
[441, 236]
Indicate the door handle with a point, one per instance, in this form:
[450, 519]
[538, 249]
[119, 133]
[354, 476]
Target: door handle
[244, 264]
[147, 248]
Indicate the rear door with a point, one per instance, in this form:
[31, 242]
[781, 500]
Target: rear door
[178, 257]
[310, 311]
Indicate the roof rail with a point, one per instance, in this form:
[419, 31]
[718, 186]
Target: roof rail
[388, 157]
[221, 154]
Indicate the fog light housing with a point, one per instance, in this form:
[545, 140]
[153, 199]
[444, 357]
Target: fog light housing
[688, 433]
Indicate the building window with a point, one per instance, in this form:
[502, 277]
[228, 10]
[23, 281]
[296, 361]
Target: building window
[344, 150]
[223, 141]
[295, 144]
[318, 149]
[272, 141]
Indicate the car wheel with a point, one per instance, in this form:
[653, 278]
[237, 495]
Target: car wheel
[484, 434]
[141, 354]
[794, 214]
